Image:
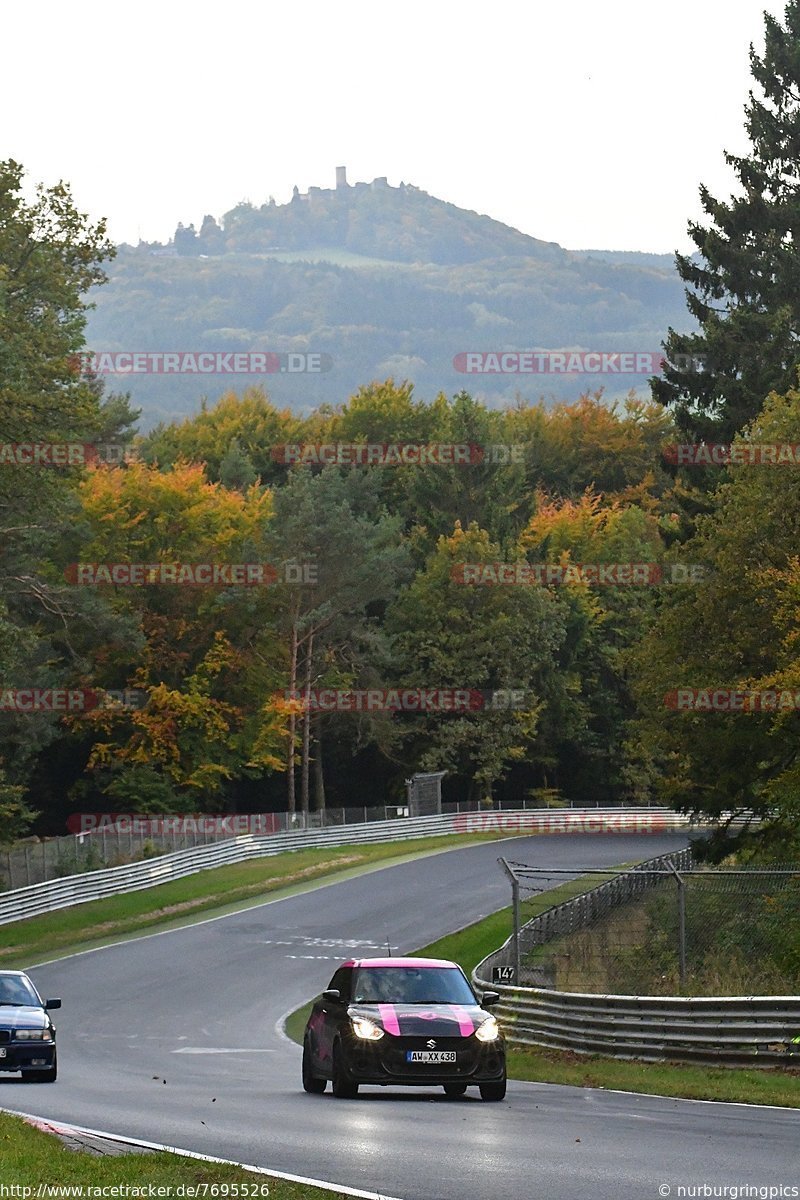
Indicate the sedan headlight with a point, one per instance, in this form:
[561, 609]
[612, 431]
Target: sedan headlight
[33, 1035]
[366, 1029]
[489, 1031]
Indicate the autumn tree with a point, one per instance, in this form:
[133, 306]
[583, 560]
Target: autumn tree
[334, 524]
[500, 643]
[738, 629]
[50, 257]
[204, 722]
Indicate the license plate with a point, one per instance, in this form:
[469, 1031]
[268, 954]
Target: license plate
[430, 1056]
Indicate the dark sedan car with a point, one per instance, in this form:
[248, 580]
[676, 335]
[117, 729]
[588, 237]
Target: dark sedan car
[411, 1021]
[27, 1035]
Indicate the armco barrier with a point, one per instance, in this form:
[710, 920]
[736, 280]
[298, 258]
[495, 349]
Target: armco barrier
[94, 885]
[756, 1031]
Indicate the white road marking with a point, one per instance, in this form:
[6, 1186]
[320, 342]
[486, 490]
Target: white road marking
[222, 1050]
[326, 957]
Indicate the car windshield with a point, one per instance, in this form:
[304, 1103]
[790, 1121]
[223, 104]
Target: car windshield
[16, 990]
[411, 985]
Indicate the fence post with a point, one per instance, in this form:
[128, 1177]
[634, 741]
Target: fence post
[515, 903]
[681, 924]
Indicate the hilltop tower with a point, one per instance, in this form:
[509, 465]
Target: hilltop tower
[341, 177]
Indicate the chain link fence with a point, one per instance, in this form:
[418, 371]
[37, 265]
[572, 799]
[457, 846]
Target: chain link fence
[665, 928]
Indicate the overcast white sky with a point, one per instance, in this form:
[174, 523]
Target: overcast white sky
[583, 122]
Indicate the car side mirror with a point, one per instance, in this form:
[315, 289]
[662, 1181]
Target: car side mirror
[331, 994]
[52, 1003]
[490, 998]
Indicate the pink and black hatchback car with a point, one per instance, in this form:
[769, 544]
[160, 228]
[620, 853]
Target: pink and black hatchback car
[410, 1021]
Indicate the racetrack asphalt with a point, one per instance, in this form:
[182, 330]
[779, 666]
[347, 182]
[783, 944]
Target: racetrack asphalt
[172, 1037]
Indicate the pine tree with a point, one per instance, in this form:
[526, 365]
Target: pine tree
[236, 471]
[744, 287]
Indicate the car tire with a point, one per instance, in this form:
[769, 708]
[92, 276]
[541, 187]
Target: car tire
[48, 1075]
[311, 1083]
[344, 1086]
[493, 1091]
[454, 1089]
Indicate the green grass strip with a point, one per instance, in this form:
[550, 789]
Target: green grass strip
[733, 1084]
[29, 1157]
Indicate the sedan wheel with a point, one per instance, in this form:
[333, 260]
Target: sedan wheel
[310, 1082]
[344, 1087]
[48, 1075]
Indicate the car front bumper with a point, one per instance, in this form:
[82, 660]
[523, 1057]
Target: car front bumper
[385, 1061]
[24, 1056]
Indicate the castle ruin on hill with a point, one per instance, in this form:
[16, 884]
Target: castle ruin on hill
[380, 183]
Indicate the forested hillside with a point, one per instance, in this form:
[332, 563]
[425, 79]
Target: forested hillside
[384, 281]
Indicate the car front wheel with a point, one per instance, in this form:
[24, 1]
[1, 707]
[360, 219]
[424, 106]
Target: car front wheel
[493, 1091]
[310, 1081]
[344, 1086]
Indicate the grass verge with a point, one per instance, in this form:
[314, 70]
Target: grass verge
[733, 1084]
[540, 1065]
[29, 1157]
[82, 926]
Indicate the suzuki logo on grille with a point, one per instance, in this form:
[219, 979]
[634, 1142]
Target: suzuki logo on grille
[430, 1043]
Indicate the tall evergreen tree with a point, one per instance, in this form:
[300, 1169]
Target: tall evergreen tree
[743, 287]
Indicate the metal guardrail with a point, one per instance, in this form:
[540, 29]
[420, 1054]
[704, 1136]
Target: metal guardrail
[756, 1031]
[113, 843]
[95, 885]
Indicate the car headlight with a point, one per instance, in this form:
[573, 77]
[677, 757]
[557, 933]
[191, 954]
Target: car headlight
[366, 1029]
[33, 1035]
[489, 1031]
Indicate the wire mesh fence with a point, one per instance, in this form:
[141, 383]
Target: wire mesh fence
[666, 928]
